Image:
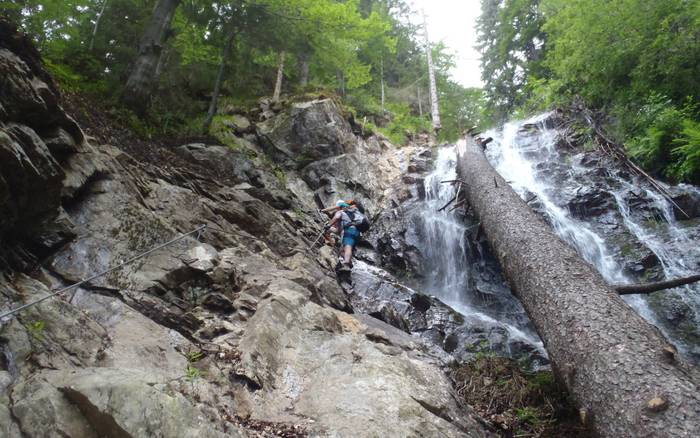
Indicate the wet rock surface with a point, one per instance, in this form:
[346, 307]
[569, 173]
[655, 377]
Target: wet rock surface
[39, 145]
[378, 294]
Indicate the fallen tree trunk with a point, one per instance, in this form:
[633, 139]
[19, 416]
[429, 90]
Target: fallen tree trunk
[647, 288]
[620, 369]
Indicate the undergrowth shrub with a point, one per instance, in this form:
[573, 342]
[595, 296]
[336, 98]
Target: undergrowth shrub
[686, 153]
[403, 124]
[516, 400]
[666, 139]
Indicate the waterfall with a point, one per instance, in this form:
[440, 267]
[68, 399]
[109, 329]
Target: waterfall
[511, 162]
[605, 214]
[445, 243]
[451, 266]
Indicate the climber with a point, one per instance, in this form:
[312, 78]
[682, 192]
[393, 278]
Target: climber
[353, 222]
[332, 234]
[330, 211]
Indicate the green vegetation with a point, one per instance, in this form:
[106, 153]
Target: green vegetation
[635, 61]
[36, 330]
[192, 373]
[516, 400]
[231, 51]
[194, 356]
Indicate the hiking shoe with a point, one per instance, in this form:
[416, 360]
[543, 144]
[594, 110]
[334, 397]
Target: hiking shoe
[345, 267]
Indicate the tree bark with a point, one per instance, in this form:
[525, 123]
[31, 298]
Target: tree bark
[381, 73]
[434, 103]
[280, 76]
[304, 58]
[225, 59]
[615, 364]
[162, 62]
[420, 103]
[97, 25]
[341, 82]
[139, 85]
[633, 289]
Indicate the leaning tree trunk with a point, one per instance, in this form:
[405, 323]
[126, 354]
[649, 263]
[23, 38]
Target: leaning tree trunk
[626, 378]
[225, 58]
[140, 82]
[280, 76]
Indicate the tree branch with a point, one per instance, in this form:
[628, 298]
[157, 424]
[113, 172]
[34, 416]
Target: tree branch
[632, 289]
[453, 199]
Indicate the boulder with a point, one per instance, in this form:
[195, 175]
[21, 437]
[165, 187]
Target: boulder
[689, 202]
[218, 303]
[95, 402]
[223, 162]
[241, 125]
[590, 201]
[326, 366]
[307, 131]
[59, 141]
[202, 257]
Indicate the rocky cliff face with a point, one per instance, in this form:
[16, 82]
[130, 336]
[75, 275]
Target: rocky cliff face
[241, 332]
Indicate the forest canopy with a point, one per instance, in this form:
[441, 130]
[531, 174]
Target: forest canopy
[175, 62]
[166, 58]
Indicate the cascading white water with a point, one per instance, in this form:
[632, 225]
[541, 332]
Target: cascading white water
[509, 160]
[444, 237]
[675, 264]
[525, 154]
[445, 250]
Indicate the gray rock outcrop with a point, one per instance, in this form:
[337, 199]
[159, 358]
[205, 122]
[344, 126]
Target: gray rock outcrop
[242, 333]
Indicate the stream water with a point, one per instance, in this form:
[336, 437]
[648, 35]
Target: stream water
[618, 223]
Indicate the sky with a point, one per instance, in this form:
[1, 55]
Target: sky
[453, 22]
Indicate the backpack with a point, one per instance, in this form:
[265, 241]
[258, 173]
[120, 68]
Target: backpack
[359, 206]
[359, 220]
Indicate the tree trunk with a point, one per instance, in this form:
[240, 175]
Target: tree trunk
[280, 76]
[420, 103]
[647, 288]
[621, 371]
[138, 86]
[225, 59]
[341, 82]
[97, 25]
[162, 62]
[304, 58]
[381, 72]
[434, 104]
